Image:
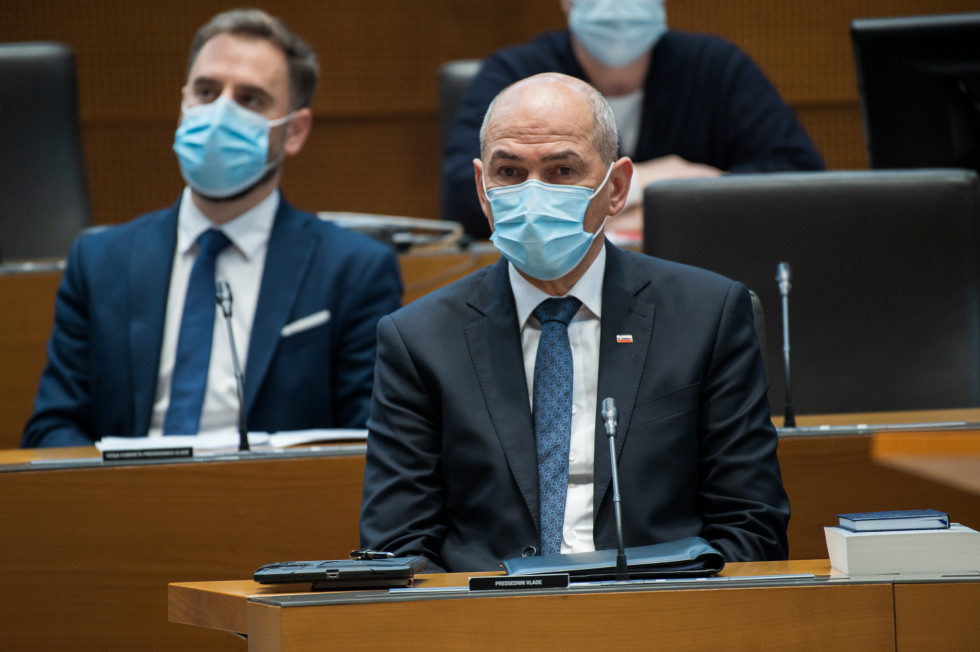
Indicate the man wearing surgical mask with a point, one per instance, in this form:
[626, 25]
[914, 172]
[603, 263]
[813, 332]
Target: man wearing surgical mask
[137, 347]
[687, 105]
[483, 441]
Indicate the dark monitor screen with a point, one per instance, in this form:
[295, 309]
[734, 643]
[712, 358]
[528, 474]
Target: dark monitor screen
[919, 81]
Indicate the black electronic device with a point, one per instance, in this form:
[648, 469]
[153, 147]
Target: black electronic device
[331, 574]
[919, 82]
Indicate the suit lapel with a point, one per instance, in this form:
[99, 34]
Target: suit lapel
[286, 261]
[494, 342]
[621, 364]
[150, 260]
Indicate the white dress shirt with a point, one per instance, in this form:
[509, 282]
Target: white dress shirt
[241, 265]
[583, 336]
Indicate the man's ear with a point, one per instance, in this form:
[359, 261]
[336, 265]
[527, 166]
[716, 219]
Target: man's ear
[619, 184]
[478, 178]
[297, 131]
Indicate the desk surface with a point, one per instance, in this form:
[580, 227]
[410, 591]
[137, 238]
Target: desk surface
[818, 613]
[952, 458]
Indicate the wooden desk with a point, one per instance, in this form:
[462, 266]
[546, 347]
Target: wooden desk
[951, 458]
[829, 474]
[802, 615]
[86, 552]
[125, 532]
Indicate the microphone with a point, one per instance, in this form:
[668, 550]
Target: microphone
[783, 278]
[222, 294]
[611, 416]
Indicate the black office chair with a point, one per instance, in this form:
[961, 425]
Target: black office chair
[885, 300]
[44, 200]
[454, 78]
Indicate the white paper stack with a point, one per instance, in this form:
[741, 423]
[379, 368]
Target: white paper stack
[955, 549]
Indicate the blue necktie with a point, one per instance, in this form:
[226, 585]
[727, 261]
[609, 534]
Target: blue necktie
[553, 373]
[194, 341]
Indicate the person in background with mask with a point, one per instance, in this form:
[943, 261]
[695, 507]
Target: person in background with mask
[136, 347]
[687, 105]
[486, 440]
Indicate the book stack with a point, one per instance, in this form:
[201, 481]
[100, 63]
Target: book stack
[906, 541]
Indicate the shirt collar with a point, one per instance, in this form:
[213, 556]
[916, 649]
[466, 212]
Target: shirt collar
[588, 289]
[249, 232]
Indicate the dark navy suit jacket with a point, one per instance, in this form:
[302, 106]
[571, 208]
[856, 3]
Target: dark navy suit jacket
[451, 467]
[103, 355]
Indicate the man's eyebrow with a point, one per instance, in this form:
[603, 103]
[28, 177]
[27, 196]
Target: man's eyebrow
[505, 155]
[205, 81]
[563, 156]
[249, 88]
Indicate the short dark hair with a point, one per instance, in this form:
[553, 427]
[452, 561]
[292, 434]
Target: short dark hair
[300, 58]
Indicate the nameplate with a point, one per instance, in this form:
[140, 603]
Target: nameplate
[147, 454]
[522, 583]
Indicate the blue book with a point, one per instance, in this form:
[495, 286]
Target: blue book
[903, 519]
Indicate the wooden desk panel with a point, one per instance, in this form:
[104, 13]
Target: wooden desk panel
[829, 475]
[27, 309]
[754, 619]
[951, 458]
[937, 617]
[751, 618]
[123, 533]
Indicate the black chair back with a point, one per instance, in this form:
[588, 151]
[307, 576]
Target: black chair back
[884, 311]
[44, 200]
[454, 78]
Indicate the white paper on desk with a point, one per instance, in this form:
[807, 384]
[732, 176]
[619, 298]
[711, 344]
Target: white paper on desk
[228, 440]
[299, 437]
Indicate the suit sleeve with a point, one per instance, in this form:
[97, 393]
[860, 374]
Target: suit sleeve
[376, 293]
[403, 504]
[741, 496]
[63, 405]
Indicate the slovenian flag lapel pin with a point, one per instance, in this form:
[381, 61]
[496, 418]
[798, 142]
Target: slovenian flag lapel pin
[624, 339]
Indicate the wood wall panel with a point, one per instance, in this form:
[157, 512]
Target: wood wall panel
[26, 315]
[375, 144]
[837, 131]
[803, 45]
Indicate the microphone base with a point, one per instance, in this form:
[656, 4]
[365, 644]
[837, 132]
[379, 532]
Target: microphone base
[622, 572]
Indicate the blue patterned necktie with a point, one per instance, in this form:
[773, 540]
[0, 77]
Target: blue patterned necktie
[194, 341]
[553, 374]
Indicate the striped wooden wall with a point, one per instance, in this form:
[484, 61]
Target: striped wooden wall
[374, 147]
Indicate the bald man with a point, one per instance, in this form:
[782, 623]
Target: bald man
[480, 451]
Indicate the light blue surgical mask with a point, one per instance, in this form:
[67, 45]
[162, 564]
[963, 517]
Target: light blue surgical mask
[223, 148]
[617, 32]
[540, 227]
